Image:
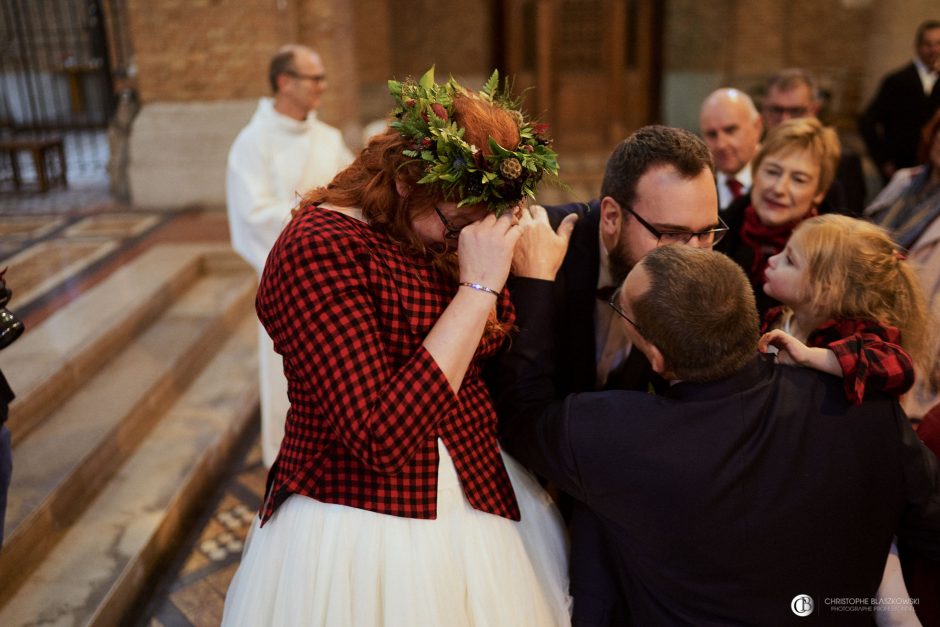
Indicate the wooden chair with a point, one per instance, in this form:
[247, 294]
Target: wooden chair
[44, 151]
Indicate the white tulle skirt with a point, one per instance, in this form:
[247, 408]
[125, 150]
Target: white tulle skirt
[318, 564]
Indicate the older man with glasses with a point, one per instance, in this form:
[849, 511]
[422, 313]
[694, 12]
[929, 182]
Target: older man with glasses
[282, 153]
[658, 189]
[794, 93]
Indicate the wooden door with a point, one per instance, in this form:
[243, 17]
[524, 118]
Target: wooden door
[594, 65]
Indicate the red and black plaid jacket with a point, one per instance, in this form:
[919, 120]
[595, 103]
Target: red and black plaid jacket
[348, 311]
[868, 352]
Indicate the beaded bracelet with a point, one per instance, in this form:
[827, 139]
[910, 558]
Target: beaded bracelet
[481, 288]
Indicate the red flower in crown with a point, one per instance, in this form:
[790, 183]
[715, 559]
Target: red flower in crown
[439, 110]
[539, 129]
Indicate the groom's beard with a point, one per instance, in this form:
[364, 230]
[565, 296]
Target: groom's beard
[619, 263]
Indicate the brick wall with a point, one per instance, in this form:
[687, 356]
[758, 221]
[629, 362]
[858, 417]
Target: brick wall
[328, 27]
[209, 50]
[204, 50]
[397, 38]
[741, 43]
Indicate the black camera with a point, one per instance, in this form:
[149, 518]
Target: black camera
[10, 327]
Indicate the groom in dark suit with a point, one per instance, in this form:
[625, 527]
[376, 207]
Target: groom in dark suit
[659, 187]
[905, 101]
[746, 493]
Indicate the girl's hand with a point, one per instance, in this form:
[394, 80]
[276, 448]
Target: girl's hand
[541, 249]
[484, 251]
[789, 350]
[792, 352]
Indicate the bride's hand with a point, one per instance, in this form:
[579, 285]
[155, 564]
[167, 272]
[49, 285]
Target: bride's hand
[485, 250]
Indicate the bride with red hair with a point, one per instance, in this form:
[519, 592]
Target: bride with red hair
[391, 502]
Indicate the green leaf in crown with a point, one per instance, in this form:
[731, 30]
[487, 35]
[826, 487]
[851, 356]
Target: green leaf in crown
[423, 114]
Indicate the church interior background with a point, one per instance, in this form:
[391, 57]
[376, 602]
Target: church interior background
[136, 467]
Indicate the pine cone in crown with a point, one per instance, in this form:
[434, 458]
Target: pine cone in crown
[510, 168]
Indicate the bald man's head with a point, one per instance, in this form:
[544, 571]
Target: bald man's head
[731, 127]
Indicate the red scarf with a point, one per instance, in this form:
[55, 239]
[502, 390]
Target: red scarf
[765, 241]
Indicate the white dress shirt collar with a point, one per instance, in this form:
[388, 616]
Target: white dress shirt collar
[927, 77]
[743, 176]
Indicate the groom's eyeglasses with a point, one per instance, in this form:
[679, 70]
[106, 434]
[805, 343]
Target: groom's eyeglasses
[708, 237]
[614, 303]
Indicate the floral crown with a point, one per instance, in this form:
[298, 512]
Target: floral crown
[424, 113]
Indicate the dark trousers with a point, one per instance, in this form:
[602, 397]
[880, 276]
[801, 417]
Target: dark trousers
[6, 469]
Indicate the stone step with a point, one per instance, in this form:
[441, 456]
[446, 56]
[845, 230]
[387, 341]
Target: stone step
[50, 362]
[108, 557]
[70, 454]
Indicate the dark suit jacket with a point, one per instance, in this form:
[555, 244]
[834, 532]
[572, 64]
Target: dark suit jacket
[847, 193]
[574, 298]
[6, 397]
[724, 501]
[596, 602]
[892, 122]
[6, 448]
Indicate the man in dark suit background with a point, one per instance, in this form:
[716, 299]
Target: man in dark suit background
[747, 493]
[904, 102]
[794, 93]
[658, 187]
